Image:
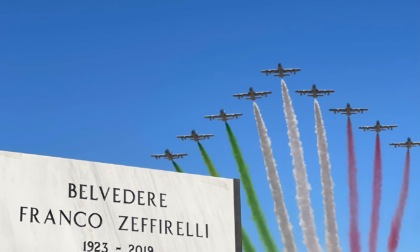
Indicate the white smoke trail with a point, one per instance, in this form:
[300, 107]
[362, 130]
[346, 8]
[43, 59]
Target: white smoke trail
[331, 233]
[273, 178]
[306, 215]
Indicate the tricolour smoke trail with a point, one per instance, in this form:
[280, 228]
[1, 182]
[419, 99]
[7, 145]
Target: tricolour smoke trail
[376, 198]
[331, 232]
[307, 221]
[246, 241]
[177, 167]
[252, 199]
[394, 236]
[273, 179]
[354, 197]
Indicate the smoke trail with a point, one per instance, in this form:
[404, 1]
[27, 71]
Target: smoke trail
[354, 197]
[207, 160]
[394, 236]
[252, 199]
[273, 179]
[376, 199]
[331, 233]
[299, 171]
[177, 167]
[246, 241]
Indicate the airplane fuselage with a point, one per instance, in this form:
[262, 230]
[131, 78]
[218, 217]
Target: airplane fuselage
[256, 95]
[315, 93]
[379, 127]
[349, 112]
[409, 143]
[194, 136]
[168, 155]
[252, 94]
[224, 118]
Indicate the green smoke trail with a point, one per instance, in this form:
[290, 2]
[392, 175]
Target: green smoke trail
[252, 199]
[246, 241]
[177, 168]
[209, 163]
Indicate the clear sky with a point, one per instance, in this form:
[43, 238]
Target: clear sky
[116, 81]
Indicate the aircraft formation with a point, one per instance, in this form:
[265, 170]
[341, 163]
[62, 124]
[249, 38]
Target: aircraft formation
[313, 92]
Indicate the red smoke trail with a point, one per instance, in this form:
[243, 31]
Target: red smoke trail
[394, 236]
[354, 197]
[376, 200]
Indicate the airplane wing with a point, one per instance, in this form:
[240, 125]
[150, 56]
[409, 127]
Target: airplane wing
[283, 74]
[291, 70]
[263, 93]
[157, 156]
[236, 115]
[180, 155]
[241, 95]
[302, 92]
[183, 137]
[205, 136]
[257, 95]
[398, 144]
[367, 128]
[388, 126]
[357, 110]
[325, 91]
[337, 110]
[269, 71]
[212, 117]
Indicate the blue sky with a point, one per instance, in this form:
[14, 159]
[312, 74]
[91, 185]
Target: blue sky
[116, 81]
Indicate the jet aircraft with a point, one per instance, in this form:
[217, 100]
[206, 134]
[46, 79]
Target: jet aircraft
[223, 116]
[314, 92]
[194, 136]
[378, 127]
[168, 155]
[407, 144]
[252, 95]
[280, 71]
[348, 110]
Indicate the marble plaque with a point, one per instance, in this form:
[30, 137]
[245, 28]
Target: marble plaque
[53, 204]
